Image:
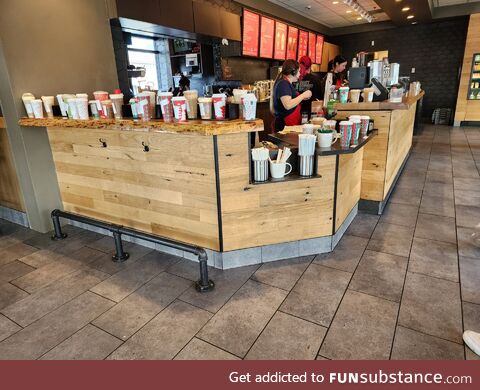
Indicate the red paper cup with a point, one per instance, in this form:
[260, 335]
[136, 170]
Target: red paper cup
[219, 105]
[365, 122]
[356, 125]
[99, 97]
[165, 100]
[143, 107]
[180, 108]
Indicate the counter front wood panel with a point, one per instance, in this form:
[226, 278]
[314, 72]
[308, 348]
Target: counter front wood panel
[375, 155]
[399, 143]
[10, 193]
[254, 215]
[349, 185]
[169, 190]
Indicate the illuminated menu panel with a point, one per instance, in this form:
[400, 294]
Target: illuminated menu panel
[251, 31]
[312, 40]
[302, 44]
[280, 40]
[267, 33]
[292, 43]
[319, 49]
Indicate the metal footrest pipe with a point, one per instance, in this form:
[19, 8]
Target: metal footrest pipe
[204, 284]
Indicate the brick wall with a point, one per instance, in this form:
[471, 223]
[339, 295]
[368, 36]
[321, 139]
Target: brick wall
[435, 50]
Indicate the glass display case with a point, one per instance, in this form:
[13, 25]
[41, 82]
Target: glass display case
[474, 83]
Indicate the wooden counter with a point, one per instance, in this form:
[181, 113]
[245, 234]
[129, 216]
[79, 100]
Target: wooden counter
[153, 126]
[10, 193]
[196, 188]
[385, 156]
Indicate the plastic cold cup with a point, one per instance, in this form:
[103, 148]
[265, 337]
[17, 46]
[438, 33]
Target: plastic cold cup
[82, 108]
[82, 95]
[355, 95]
[308, 128]
[192, 100]
[117, 103]
[180, 108]
[99, 97]
[219, 105]
[205, 105]
[72, 108]
[27, 101]
[249, 106]
[345, 133]
[365, 123]
[37, 108]
[356, 126]
[93, 109]
[143, 107]
[107, 109]
[330, 124]
[367, 95]
[344, 94]
[165, 101]
[48, 102]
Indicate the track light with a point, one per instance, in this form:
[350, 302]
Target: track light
[359, 9]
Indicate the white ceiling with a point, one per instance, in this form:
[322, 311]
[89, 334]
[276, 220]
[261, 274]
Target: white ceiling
[329, 14]
[445, 3]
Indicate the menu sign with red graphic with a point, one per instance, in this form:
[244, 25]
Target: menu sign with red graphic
[280, 40]
[267, 33]
[312, 39]
[251, 31]
[292, 43]
[319, 49]
[302, 44]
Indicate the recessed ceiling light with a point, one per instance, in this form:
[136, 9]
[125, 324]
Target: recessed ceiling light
[405, 9]
[398, 1]
[359, 18]
[414, 22]
[349, 12]
[410, 16]
[334, 2]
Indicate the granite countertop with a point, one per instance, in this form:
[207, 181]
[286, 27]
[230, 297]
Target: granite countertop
[189, 127]
[386, 105]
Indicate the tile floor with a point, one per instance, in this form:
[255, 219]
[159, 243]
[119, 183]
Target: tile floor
[400, 286]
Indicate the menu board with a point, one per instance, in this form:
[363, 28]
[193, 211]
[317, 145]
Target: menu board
[251, 31]
[312, 41]
[292, 43]
[319, 49]
[280, 40]
[302, 44]
[267, 33]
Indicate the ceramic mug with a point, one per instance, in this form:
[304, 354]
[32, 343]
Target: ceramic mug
[327, 140]
[277, 170]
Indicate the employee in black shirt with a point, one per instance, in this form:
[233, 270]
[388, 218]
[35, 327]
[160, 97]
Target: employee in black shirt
[286, 101]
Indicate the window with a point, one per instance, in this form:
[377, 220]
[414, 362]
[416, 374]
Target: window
[142, 53]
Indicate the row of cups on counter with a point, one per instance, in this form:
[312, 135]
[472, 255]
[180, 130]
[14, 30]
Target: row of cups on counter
[109, 106]
[346, 94]
[349, 134]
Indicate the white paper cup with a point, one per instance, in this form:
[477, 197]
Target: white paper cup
[48, 102]
[82, 108]
[219, 105]
[205, 105]
[180, 108]
[249, 107]
[27, 101]
[37, 108]
[82, 95]
[63, 105]
[72, 108]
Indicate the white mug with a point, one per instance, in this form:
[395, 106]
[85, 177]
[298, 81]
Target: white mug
[277, 170]
[326, 140]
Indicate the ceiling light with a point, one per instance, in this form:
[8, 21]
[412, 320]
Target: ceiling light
[359, 18]
[359, 10]
[410, 16]
[349, 11]
[334, 2]
[414, 22]
[405, 9]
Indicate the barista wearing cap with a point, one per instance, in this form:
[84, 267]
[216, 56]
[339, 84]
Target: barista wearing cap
[285, 102]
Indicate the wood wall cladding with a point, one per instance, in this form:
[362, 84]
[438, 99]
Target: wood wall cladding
[469, 110]
[169, 191]
[399, 143]
[348, 186]
[254, 215]
[374, 155]
[10, 193]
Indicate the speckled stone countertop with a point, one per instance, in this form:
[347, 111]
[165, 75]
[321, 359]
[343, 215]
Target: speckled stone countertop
[189, 127]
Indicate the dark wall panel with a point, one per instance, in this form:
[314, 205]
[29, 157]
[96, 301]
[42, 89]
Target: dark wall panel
[435, 50]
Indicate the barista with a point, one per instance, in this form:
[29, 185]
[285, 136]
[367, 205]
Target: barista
[285, 102]
[336, 71]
